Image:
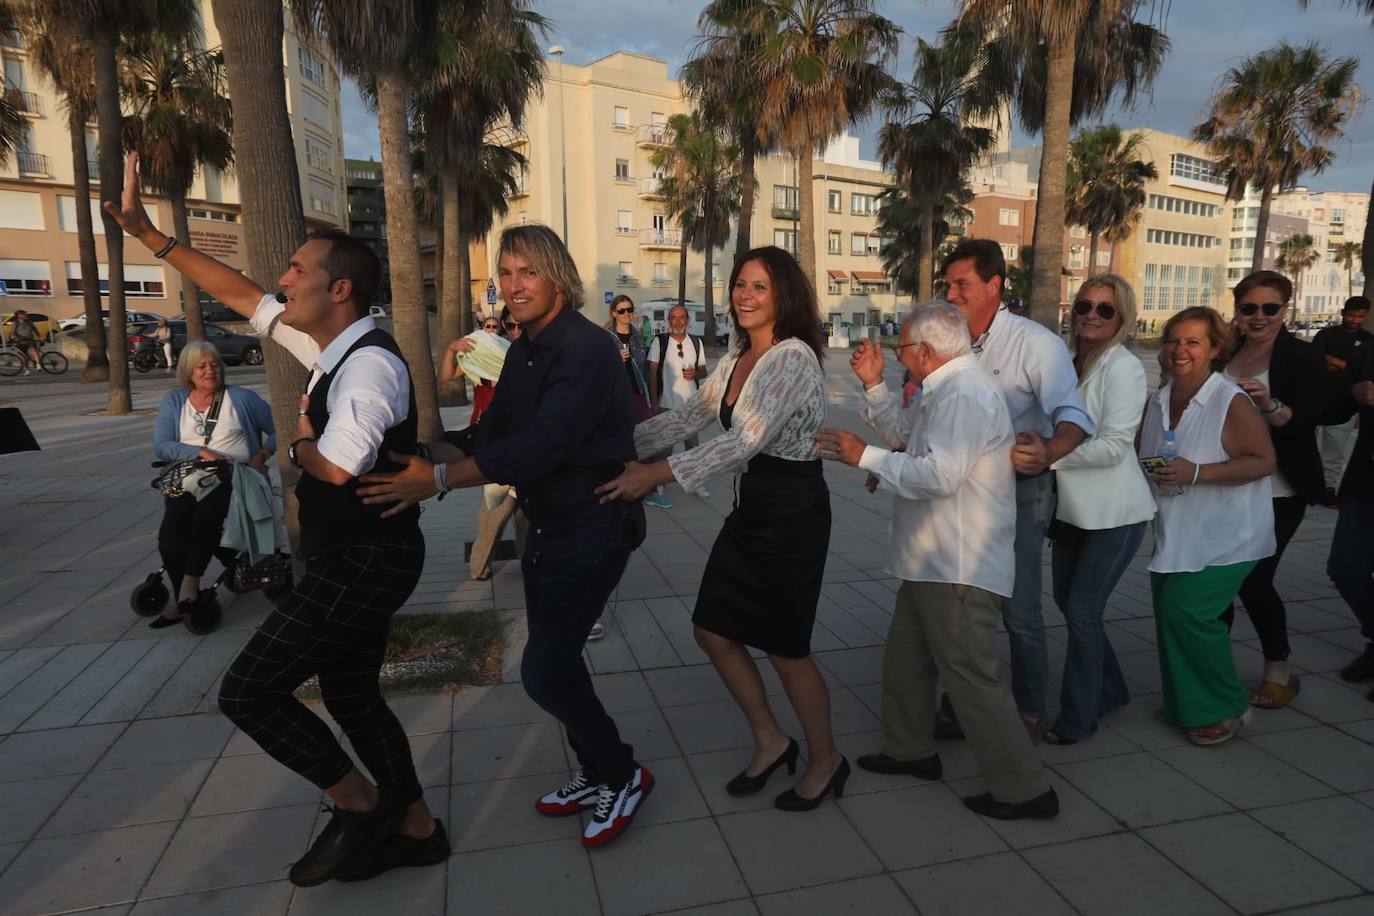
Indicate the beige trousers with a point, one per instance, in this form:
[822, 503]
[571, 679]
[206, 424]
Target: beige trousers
[498, 507]
[948, 633]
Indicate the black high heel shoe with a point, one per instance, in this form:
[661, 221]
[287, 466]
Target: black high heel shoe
[791, 801]
[744, 784]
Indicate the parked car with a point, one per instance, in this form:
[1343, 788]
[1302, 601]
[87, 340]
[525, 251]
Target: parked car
[78, 322]
[234, 349]
[215, 311]
[43, 323]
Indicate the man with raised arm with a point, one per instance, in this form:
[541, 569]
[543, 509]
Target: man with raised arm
[362, 562]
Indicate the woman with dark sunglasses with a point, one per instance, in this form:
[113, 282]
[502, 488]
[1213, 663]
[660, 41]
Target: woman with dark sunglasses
[1104, 503]
[635, 354]
[1286, 378]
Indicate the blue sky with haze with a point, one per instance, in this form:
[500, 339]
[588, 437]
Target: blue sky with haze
[1208, 37]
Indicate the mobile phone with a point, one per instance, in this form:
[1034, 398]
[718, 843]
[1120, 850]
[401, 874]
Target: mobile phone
[1156, 463]
[1153, 464]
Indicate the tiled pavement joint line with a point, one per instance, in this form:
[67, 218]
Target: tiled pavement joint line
[19, 725]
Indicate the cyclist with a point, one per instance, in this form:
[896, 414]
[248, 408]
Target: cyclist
[24, 337]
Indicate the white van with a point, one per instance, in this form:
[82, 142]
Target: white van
[656, 312]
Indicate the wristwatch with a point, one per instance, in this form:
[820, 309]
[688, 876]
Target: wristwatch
[1278, 405]
[291, 451]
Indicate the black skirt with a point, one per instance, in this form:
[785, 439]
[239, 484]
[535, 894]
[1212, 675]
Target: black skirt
[763, 578]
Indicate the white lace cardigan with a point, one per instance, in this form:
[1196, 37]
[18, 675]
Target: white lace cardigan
[778, 413]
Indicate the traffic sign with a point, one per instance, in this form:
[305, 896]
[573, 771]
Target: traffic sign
[491, 293]
[4, 290]
[609, 297]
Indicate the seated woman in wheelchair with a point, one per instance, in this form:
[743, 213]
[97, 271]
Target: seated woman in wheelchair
[204, 419]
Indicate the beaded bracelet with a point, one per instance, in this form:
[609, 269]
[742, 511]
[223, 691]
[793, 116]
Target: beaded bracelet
[171, 243]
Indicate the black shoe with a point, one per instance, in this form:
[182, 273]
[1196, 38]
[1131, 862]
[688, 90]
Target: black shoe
[1042, 807]
[1362, 668]
[946, 722]
[397, 851]
[347, 833]
[1329, 499]
[744, 784]
[203, 614]
[791, 801]
[925, 768]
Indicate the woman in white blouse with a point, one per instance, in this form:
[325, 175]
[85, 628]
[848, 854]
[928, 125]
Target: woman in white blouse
[763, 579]
[1215, 522]
[1104, 503]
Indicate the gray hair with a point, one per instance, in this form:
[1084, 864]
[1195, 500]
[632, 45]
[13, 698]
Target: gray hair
[546, 252]
[191, 355]
[940, 325]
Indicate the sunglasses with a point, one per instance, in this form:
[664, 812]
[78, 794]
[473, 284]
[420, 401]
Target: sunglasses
[625, 310]
[511, 325]
[897, 348]
[1250, 308]
[1105, 310]
[491, 327]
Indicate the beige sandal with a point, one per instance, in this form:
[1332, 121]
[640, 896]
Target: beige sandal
[1218, 733]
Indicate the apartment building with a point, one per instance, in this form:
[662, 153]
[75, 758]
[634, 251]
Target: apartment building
[39, 263]
[367, 213]
[1330, 217]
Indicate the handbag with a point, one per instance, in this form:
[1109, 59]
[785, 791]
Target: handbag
[272, 571]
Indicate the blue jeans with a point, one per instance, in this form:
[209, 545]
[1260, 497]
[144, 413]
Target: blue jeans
[1351, 562]
[1030, 664]
[1086, 566]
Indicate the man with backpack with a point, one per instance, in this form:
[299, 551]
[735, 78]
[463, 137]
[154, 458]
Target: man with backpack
[677, 364]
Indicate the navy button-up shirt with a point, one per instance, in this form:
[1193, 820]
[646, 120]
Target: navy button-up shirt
[560, 422]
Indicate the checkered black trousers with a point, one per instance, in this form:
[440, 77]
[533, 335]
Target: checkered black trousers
[334, 625]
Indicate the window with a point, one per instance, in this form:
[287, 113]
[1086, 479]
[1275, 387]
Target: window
[622, 170]
[1147, 300]
[626, 271]
[1181, 205]
[315, 110]
[321, 197]
[364, 174]
[660, 273]
[861, 204]
[317, 155]
[26, 278]
[622, 222]
[622, 118]
[1006, 217]
[1192, 168]
[875, 243]
[1187, 239]
[786, 239]
[1077, 232]
[785, 197]
[658, 118]
[1009, 251]
[143, 281]
[1104, 258]
[24, 210]
[834, 242]
[1337, 217]
[216, 215]
[312, 68]
[833, 201]
[858, 243]
[832, 285]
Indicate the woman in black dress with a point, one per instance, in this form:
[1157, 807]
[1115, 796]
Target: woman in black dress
[763, 578]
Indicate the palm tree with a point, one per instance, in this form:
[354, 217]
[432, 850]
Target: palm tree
[901, 226]
[1061, 61]
[1348, 255]
[729, 92]
[390, 44]
[1297, 253]
[489, 64]
[1106, 185]
[180, 121]
[12, 122]
[934, 149]
[1270, 117]
[701, 189]
[821, 66]
[105, 23]
[66, 59]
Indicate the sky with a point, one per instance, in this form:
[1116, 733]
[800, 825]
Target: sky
[1208, 37]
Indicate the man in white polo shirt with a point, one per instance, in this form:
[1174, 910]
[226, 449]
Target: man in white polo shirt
[677, 364]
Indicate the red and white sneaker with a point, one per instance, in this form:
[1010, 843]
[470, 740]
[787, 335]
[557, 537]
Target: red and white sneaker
[615, 808]
[577, 795]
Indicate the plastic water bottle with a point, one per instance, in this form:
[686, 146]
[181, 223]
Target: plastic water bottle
[1169, 449]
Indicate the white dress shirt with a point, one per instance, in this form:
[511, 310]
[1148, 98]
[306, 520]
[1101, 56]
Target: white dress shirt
[369, 395]
[1035, 372]
[954, 518]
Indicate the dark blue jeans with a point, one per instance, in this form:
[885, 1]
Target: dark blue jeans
[567, 584]
[1086, 567]
[1351, 563]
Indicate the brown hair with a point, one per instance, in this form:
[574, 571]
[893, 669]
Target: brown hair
[794, 298]
[1218, 331]
[988, 259]
[1269, 278]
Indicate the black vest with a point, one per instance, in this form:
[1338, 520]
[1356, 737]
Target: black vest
[333, 514]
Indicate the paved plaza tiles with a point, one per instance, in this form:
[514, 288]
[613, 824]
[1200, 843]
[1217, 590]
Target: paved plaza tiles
[124, 791]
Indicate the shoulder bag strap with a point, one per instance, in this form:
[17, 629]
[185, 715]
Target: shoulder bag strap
[212, 417]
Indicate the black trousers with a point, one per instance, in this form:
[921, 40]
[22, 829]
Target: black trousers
[334, 625]
[1257, 592]
[189, 535]
[566, 588]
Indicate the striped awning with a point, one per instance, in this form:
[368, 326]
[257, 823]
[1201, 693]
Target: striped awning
[871, 276]
[839, 276]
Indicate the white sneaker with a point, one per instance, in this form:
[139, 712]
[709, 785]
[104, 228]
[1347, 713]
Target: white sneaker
[702, 493]
[615, 808]
[569, 798]
[597, 632]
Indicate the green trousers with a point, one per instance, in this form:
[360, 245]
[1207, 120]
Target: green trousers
[1196, 669]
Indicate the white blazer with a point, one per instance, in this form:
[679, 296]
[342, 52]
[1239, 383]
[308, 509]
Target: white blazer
[1101, 484]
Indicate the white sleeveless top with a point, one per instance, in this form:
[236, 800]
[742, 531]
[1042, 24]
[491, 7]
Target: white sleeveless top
[1208, 525]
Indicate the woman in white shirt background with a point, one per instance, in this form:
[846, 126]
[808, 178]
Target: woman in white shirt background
[1215, 522]
[1104, 503]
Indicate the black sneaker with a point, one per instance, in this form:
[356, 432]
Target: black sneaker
[346, 833]
[1362, 668]
[397, 851]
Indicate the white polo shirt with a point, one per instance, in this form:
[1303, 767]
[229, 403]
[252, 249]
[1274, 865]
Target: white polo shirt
[676, 389]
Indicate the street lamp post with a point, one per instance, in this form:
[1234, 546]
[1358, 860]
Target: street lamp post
[557, 51]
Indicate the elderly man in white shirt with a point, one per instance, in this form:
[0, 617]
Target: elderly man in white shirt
[953, 528]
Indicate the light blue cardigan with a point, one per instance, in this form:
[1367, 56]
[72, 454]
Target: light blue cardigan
[254, 414]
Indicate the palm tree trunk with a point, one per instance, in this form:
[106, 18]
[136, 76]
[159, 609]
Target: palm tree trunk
[709, 319]
[1367, 262]
[1261, 229]
[1048, 258]
[111, 122]
[925, 256]
[746, 201]
[454, 266]
[269, 191]
[682, 271]
[403, 249]
[1092, 251]
[806, 232]
[97, 360]
[190, 293]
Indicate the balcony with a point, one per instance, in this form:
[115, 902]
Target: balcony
[653, 136]
[34, 165]
[651, 188]
[625, 280]
[22, 100]
[624, 230]
[786, 211]
[660, 238]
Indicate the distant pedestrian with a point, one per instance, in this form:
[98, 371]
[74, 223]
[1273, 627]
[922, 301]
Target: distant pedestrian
[677, 364]
[634, 353]
[1337, 343]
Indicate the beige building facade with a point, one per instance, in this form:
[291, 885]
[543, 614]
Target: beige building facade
[39, 261]
[1332, 217]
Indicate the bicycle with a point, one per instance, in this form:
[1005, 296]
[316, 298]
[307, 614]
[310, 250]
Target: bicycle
[14, 360]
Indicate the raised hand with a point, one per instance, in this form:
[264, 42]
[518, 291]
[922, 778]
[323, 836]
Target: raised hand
[867, 363]
[130, 215]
